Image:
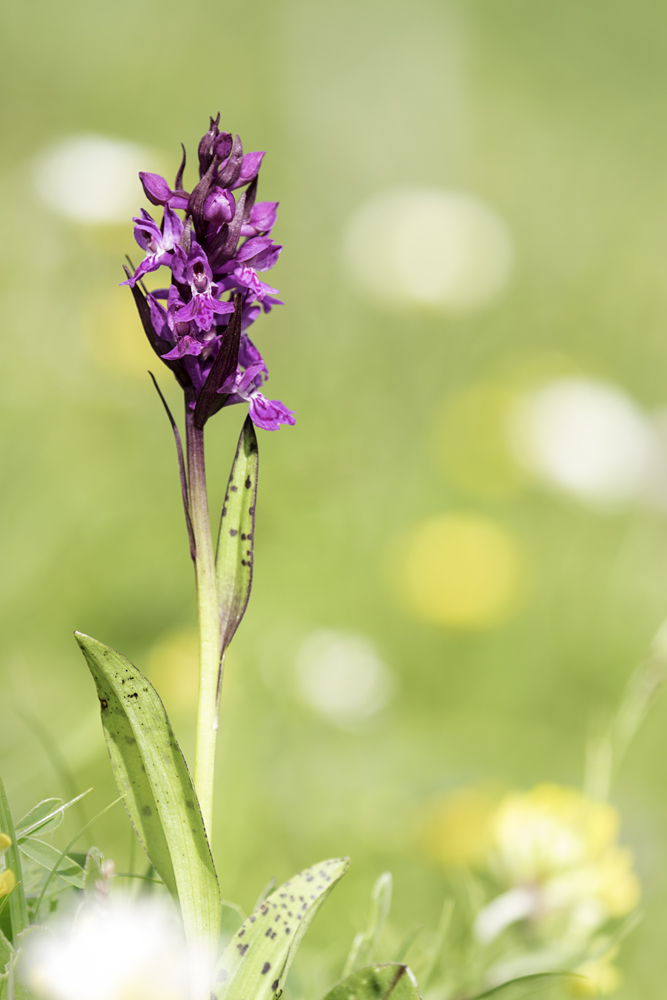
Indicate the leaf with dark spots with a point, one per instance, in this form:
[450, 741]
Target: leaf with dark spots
[231, 169]
[153, 779]
[209, 400]
[159, 345]
[243, 975]
[237, 529]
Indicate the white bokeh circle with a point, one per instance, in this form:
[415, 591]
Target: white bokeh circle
[91, 178]
[428, 246]
[585, 437]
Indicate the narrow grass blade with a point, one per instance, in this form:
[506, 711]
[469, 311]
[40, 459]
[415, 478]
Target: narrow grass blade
[181, 470]
[407, 942]
[39, 821]
[377, 982]
[63, 854]
[364, 945]
[257, 960]
[234, 555]
[18, 912]
[153, 778]
[526, 985]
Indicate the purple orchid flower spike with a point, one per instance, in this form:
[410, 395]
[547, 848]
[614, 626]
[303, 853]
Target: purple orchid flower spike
[215, 254]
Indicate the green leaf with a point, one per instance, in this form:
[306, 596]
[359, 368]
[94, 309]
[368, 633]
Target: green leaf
[256, 961]
[153, 779]
[50, 858]
[18, 913]
[377, 982]
[234, 555]
[37, 817]
[42, 820]
[364, 945]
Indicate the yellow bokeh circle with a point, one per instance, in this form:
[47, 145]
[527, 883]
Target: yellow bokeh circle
[463, 570]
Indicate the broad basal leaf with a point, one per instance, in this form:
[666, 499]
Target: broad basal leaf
[234, 556]
[256, 961]
[152, 775]
[377, 982]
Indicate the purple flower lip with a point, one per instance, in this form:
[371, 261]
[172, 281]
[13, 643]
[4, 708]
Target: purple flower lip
[215, 254]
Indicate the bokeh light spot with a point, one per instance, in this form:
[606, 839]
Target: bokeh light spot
[92, 178]
[471, 437]
[342, 676]
[463, 570]
[114, 336]
[444, 249]
[587, 438]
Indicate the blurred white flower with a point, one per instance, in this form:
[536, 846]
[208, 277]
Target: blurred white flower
[587, 438]
[121, 950]
[92, 178]
[428, 246]
[342, 676]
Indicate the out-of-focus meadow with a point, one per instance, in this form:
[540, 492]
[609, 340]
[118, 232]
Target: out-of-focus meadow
[461, 547]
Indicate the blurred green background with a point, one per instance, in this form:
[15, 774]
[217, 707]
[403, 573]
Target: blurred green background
[549, 114]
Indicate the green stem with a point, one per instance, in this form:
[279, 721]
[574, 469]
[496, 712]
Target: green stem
[209, 622]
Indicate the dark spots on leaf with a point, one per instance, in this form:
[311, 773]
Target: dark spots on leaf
[134, 694]
[242, 932]
[243, 562]
[248, 483]
[253, 919]
[243, 536]
[274, 985]
[251, 511]
[123, 681]
[265, 968]
[235, 489]
[130, 740]
[189, 804]
[289, 913]
[309, 878]
[277, 916]
[146, 811]
[287, 930]
[224, 511]
[242, 949]
[233, 532]
[104, 704]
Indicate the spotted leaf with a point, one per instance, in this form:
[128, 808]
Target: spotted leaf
[153, 779]
[256, 961]
[234, 557]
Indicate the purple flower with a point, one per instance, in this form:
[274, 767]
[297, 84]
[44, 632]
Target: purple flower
[262, 218]
[203, 307]
[215, 253]
[268, 414]
[161, 245]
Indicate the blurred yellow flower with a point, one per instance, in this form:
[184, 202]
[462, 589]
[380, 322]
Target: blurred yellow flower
[458, 828]
[556, 853]
[462, 570]
[5, 842]
[7, 881]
